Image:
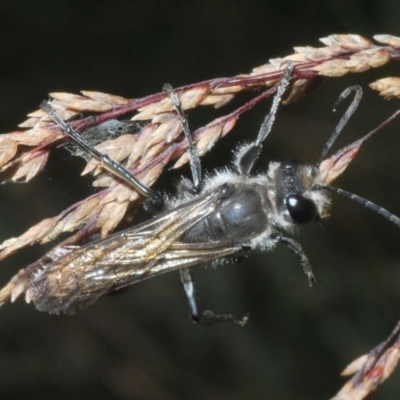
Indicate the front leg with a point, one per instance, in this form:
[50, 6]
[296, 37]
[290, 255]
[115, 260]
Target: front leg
[298, 250]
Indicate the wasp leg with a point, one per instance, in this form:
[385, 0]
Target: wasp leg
[249, 153]
[206, 317]
[106, 162]
[194, 158]
[298, 250]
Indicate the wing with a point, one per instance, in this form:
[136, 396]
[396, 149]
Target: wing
[81, 276]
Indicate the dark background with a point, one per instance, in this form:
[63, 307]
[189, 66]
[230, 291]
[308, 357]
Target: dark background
[142, 344]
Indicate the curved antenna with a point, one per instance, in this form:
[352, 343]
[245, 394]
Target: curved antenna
[343, 121]
[360, 200]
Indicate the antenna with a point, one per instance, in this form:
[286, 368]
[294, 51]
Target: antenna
[360, 200]
[343, 121]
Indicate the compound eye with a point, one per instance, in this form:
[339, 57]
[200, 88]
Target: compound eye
[301, 209]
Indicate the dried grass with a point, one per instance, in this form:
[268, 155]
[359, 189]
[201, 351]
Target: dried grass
[24, 153]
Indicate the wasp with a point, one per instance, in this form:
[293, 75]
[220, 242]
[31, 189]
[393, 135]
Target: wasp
[227, 213]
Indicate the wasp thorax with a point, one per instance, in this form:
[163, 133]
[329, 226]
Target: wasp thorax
[240, 216]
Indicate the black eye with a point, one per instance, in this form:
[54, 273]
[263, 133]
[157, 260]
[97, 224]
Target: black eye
[301, 209]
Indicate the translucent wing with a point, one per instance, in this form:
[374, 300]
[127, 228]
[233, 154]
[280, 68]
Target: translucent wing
[81, 276]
